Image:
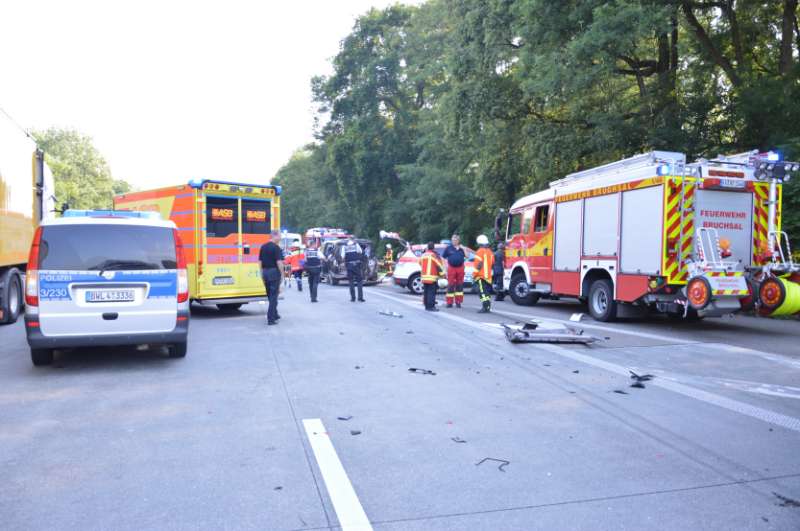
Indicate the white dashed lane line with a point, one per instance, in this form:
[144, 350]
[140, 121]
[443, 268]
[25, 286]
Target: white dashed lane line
[348, 508]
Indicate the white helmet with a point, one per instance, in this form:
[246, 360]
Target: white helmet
[388, 245]
[483, 240]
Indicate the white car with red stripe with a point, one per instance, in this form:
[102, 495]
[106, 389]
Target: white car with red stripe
[407, 271]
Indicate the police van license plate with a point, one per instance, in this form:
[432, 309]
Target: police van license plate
[116, 295]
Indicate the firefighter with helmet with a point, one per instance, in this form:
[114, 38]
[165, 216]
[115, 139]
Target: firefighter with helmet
[388, 259]
[484, 263]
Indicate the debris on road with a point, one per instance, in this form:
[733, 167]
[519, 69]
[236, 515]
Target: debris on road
[421, 371]
[786, 501]
[278, 488]
[576, 317]
[640, 378]
[576, 371]
[358, 367]
[390, 313]
[620, 392]
[457, 440]
[409, 331]
[348, 417]
[355, 432]
[500, 467]
[637, 385]
[530, 333]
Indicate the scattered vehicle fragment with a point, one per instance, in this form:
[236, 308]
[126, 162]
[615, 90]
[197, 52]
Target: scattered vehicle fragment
[390, 313]
[652, 233]
[501, 467]
[457, 440]
[531, 333]
[348, 417]
[640, 378]
[421, 371]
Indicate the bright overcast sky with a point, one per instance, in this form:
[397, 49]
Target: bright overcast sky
[173, 89]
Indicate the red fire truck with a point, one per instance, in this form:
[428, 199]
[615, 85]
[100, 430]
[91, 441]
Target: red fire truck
[653, 233]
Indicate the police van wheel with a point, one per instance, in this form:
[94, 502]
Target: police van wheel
[602, 305]
[11, 302]
[41, 356]
[177, 350]
[229, 308]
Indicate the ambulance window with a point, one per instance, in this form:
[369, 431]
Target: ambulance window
[222, 216]
[541, 218]
[255, 217]
[526, 221]
[514, 224]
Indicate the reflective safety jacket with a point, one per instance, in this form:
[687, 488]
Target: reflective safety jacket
[389, 256]
[296, 261]
[313, 260]
[484, 262]
[431, 266]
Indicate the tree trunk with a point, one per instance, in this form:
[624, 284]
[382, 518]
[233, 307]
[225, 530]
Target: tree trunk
[787, 32]
[708, 45]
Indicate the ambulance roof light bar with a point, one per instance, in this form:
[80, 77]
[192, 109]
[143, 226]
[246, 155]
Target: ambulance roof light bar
[645, 159]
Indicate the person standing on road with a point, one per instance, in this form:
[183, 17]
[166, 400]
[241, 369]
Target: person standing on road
[271, 258]
[388, 260]
[455, 255]
[354, 260]
[484, 262]
[432, 269]
[295, 261]
[313, 267]
[497, 272]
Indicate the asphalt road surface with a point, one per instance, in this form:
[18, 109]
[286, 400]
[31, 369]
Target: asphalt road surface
[246, 432]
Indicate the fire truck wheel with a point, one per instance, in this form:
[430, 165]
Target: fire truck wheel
[698, 291]
[229, 308]
[520, 291]
[602, 305]
[11, 302]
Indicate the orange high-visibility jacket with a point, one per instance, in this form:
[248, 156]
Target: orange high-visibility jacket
[432, 267]
[484, 260]
[295, 261]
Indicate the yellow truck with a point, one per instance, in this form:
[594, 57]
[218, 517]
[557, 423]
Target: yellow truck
[26, 197]
[223, 226]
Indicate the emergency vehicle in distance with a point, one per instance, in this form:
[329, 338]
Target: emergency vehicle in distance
[223, 226]
[653, 233]
[26, 198]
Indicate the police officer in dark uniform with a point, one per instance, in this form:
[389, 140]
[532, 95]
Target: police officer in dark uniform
[497, 272]
[354, 259]
[313, 267]
[271, 258]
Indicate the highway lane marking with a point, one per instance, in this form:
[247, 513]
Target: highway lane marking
[765, 415]
[348, 508]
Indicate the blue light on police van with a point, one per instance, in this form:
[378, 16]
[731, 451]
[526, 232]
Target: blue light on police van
[663, 169]
[196, 183]
[111, 214]
[773, 156]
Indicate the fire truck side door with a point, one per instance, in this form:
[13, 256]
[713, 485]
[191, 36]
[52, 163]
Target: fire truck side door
[541, 245]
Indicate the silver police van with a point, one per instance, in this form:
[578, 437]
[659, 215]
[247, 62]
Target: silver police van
[106, 278]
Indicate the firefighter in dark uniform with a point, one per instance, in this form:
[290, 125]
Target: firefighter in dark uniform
[497, 272]
[354, 259]
[313, 267]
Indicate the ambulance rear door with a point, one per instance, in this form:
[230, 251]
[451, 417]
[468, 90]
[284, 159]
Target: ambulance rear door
[256, 222]
[221, 244]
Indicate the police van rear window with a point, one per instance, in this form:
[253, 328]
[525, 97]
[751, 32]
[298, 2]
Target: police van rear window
[106, 248]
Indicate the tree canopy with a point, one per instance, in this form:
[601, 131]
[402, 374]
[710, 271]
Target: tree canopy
[82, 177]
[438, 115]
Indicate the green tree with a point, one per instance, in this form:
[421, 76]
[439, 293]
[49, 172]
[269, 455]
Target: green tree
[82, 177]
